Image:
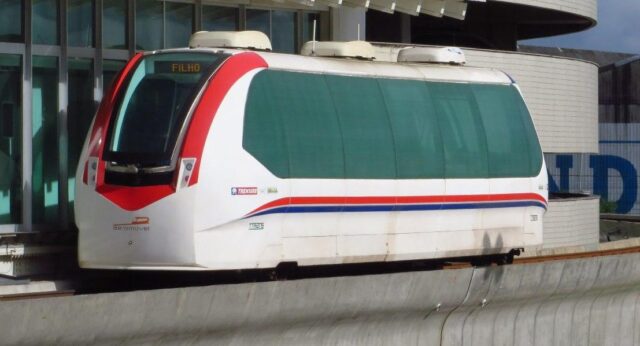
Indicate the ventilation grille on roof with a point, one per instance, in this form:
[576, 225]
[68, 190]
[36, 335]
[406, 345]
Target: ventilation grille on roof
[255, 40]
[352, 49]
[442, 55]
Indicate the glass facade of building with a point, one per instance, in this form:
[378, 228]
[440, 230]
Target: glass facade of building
[57, 58]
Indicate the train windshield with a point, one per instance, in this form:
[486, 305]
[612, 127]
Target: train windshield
[152, 108]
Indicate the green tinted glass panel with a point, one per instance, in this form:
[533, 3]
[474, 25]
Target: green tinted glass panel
[11, 20]
[302, 102]
[80, 23]
[114, 19]
[45, 139]
[110, 69]
[178, 24]
[307, 26]
[369, 148]
[259, 20]
[316, 126]
[463, 136]
[535, 151]
[508, 148]
[264, 136]
[10, 139]
[419, 151]
[283, 31]
[80, 114]
[45, 21]
[149, 25]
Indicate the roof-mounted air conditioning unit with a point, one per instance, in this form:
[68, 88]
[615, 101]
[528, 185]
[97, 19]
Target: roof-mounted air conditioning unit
[254, 40]
[352, 49]
[433, 55]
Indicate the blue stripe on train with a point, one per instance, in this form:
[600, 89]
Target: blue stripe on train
[401, 207]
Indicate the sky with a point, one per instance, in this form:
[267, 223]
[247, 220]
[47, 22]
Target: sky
[618, 30]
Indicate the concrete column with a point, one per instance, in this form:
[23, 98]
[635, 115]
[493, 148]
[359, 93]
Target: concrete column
[344, 23]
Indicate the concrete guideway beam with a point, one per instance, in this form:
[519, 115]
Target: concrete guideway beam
[587, 301]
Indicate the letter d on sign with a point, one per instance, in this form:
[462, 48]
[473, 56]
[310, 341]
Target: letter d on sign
[601, 165]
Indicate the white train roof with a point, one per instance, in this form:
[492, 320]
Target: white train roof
[354, 67]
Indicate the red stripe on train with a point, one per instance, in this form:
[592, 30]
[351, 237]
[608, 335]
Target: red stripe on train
[364, 200]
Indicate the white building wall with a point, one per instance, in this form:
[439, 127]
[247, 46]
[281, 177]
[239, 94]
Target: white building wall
[572, 222]
[561, 93]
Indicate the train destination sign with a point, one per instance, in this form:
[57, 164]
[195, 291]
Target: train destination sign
[178, 67]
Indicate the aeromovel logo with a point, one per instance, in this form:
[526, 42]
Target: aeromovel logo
[139, 223]
[239, 191]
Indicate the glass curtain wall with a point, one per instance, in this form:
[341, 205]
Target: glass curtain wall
[307, 26]
[110, 69]
[10, 139]
[80, 23]
[157, 24]
[114, 24]
[163, 24]
[11, 21]
[45, 139]
[44, 19]
[219, 18]
[80, 113]
[278, 25]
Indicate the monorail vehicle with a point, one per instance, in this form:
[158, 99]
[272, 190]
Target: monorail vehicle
[218, 158]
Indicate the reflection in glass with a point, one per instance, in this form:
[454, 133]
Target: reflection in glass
[149, 26]
[114, 19]
[45, 139]
[219, 18]
[10, 139]
[80, 114]
[45, 21]
[80, 23]
[178, 24]
[11, 21]
[259, 20]
[283, 38]
[110, 69]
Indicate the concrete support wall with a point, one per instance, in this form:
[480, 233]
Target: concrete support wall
[572, 222]
[580, 302]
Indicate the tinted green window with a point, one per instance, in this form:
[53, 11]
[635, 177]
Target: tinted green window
[178, 24]
[369, 149]
[11, 21]
[508, 148]
[149, 25]
[114, 19]
[283, 31]
[80, 113]
[219, 18]
[45, 139]
[314, 126]
[10, 139]
[312, 140]
[419, 151]
[463, 136]
[264, 136]
[80, 23]
[45, 21]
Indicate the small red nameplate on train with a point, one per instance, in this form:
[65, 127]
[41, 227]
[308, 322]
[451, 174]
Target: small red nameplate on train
[178, 67]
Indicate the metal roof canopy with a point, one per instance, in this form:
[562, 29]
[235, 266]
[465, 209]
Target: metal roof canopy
[437, 8]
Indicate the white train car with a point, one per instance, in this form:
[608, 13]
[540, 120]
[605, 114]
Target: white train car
[220, 158]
